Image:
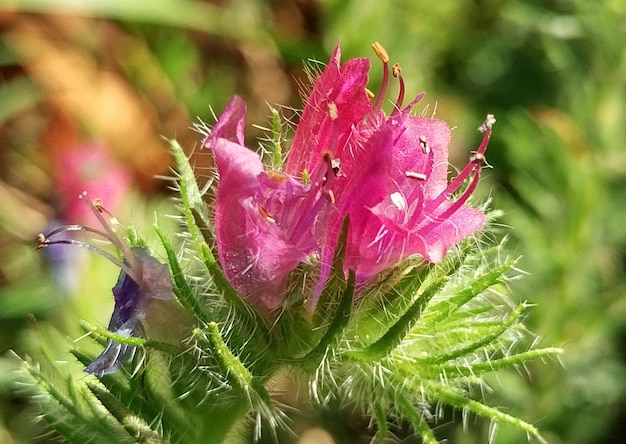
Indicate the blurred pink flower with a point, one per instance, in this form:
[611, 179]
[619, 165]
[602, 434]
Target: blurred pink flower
[387, 172]
[88, 167]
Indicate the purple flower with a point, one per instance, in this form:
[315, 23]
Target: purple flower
[142, 279]
[387, 172]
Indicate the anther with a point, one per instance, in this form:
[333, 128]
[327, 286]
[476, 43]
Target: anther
[333, 113]
[487, 124]
[263, 212]
[395, 70]
[276, 176]
[42, 241]
[382, 55]
[414, 175]
[424, 145]
[369, 93]
[478, 158]
[330, 196]
[397, 73]
[380, 52]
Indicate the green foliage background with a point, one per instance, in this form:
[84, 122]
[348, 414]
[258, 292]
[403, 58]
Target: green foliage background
[553, 73]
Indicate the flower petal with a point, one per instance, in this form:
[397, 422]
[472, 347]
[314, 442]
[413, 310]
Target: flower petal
[230, 125]
[256, 250]
[343, 88]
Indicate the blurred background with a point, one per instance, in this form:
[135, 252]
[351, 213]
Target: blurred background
[88, 89]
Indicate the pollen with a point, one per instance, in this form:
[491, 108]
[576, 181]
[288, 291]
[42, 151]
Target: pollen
[333, 113]
[276, 176]
[395, 70]
[263, 212]
[380, 52]
[415, 175]
[398, 200]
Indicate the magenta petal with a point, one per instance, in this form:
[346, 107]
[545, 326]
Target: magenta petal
[391, 198]
[256, 250]
[417, 136]
[342, 87]
[230, 124]
[447, 232]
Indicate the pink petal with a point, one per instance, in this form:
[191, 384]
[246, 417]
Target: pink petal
[254, 251]
[342, 87]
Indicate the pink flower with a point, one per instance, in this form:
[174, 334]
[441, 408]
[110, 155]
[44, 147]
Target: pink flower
[392, 176]
[89, 167]
[388, 173]
[265, 222]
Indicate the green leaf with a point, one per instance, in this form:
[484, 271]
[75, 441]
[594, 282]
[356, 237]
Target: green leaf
[335, 282]
[445, 308]
[483, 340]
[336, 327]
[394, 335]
[245, 315]
[410, 412]
[193, 206]
[187, 297]
[451, 397]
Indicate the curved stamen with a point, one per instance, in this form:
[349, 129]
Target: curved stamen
[458, 203]
[397, 73]
[97, 209]
[63, 228]
[473, 168]
[129, 271]
[476, 160]
[382, 55]
[130, 264]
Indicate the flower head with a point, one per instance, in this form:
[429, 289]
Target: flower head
[392, 170]
[265, 221]
[142, 279]
[388, 173]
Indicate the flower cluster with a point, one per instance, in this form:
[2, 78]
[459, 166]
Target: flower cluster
[343, 235]
[386, 173]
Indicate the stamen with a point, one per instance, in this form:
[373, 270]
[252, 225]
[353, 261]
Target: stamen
[330, 196]
[276, 176]
[130, 264]
[114, 238]
[472, 168]
[397, 73]
[458, 203]
[44, 241]
[487, 124]
[369, 93]
[64, 228]
[476, 160]
[382, 55]
[415, 175]
[380, 52]
[320, 184]
[398, 200]
[266, 215]
[333, 113]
